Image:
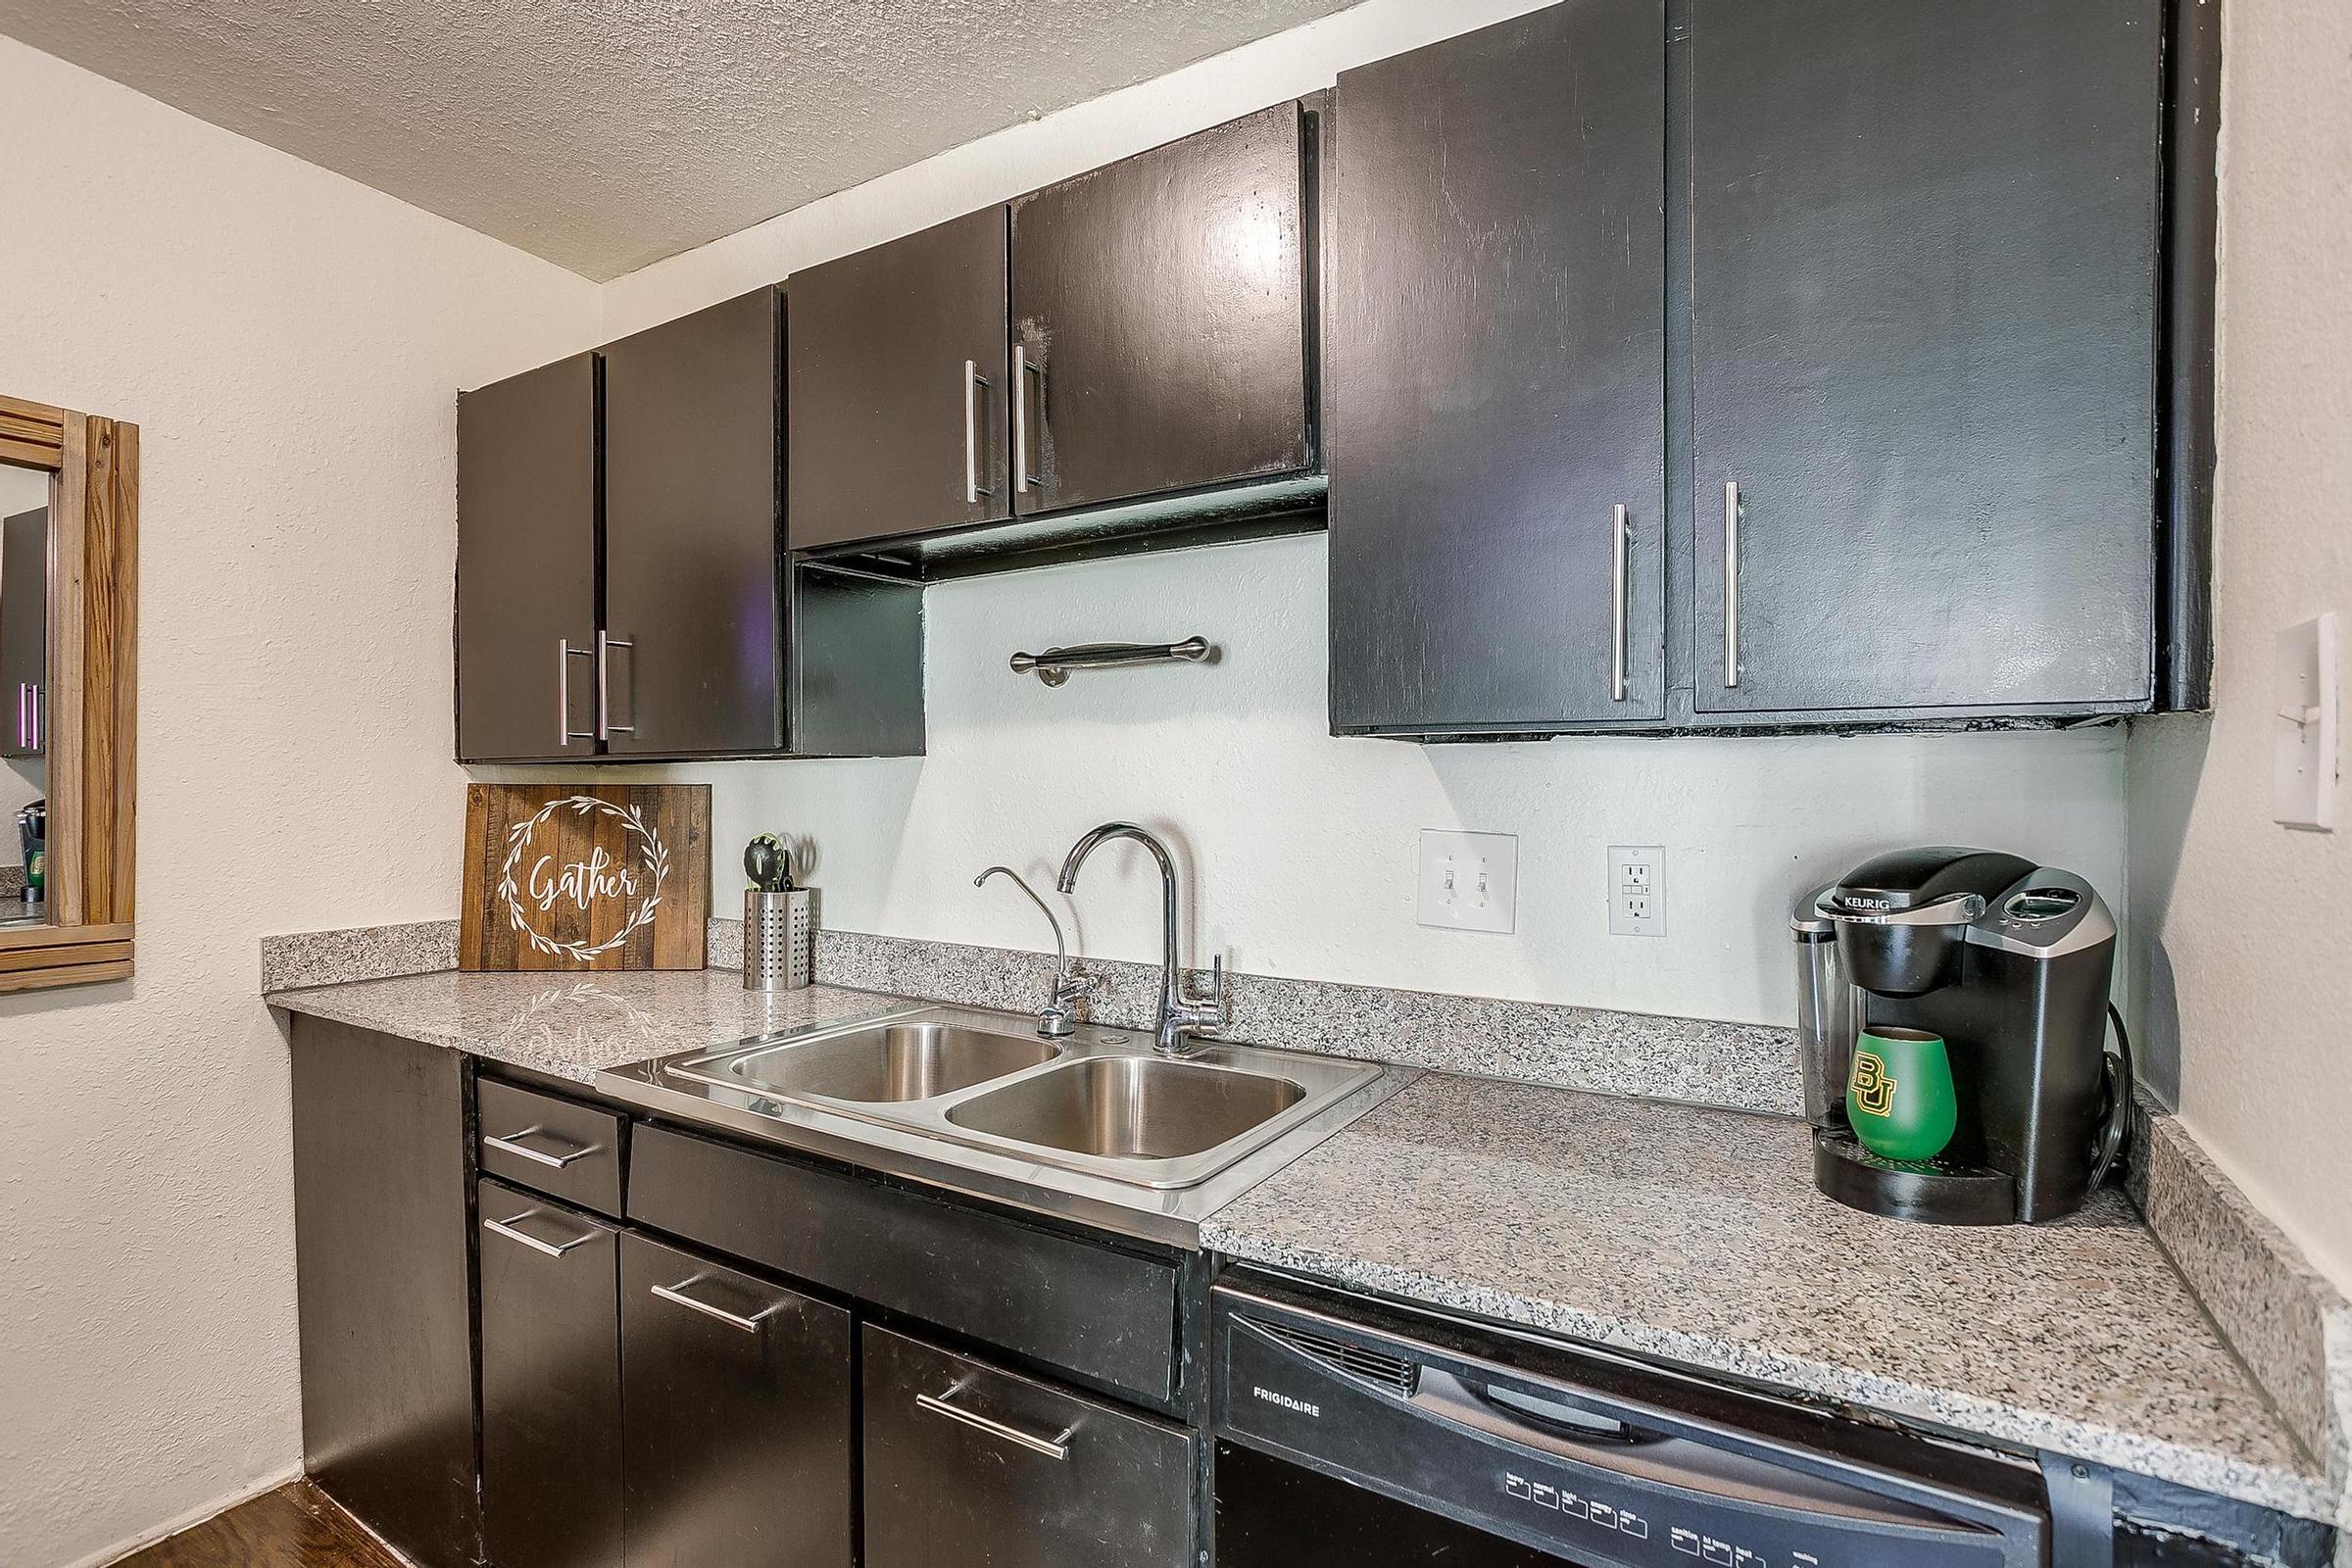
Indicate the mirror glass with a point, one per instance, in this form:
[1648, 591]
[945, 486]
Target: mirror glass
[24, 500]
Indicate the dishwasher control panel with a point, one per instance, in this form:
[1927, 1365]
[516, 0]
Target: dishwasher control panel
[1571, 1468]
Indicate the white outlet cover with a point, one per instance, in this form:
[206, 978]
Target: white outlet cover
[1637, 890]
[2303, 726]
[1469, 881]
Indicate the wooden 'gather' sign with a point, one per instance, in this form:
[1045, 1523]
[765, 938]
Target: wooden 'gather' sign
[567, 876]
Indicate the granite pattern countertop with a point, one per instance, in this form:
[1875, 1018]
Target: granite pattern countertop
[572, 1025]
[1697, 1235]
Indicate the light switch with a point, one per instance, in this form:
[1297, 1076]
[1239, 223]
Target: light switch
[1469, 881]
[2303, 727]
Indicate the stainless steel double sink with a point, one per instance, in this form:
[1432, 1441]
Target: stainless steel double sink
[1097, 1101]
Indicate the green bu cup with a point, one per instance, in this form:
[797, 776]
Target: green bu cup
[1899, 1095]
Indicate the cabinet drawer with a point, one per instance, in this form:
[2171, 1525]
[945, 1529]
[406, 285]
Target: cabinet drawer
[558, 1147]
[1012, 1472]
[1107, 1315]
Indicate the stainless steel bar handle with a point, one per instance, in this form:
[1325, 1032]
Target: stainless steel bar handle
[1621, 590]
[1022, 373]
[1730, 583]
[36, 707]
[973, 489]
[513, 1144]
[565, 733]
[1053, 1447]
[1020, 420]
[735, 1320]
[23, 735]
[606, 729]
[505, 1227]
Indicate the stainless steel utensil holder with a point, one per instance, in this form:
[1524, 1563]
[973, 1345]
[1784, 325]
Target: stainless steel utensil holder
[779, 939]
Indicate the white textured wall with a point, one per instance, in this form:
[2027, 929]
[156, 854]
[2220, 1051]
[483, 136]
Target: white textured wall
[2253, 922]
[288, 343]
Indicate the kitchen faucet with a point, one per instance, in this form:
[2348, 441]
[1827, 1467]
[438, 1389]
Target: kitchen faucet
[1067, 987]
[1181, 1013]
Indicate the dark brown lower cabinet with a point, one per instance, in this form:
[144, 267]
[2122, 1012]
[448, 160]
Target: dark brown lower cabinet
[379, 1244]
[736, 1399]
[965, 1464]
[551, 1383]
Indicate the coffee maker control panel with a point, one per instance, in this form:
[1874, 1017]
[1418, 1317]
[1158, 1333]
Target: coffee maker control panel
[2046, 913]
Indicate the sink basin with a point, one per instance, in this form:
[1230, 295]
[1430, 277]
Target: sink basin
[890, 1062]
[1130, 1107]
[1097, 1101]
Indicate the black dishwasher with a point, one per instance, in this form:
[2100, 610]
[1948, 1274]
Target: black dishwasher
[1353, 1432]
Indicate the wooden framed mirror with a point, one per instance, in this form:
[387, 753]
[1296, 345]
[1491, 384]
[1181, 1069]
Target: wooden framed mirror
[69, 612]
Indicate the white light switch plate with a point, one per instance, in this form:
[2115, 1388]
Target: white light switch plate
[2303, 726]
[1469, 881]
[1637, 890]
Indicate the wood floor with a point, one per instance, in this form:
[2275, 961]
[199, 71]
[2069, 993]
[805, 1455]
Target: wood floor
[293, 1527]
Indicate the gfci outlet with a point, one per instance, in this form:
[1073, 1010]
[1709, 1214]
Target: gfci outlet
[1637, 890]
[1469, 881]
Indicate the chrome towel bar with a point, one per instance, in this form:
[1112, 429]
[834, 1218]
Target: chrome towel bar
[1054, 665]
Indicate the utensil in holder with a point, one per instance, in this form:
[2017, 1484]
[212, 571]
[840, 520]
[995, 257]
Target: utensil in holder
[779, 939]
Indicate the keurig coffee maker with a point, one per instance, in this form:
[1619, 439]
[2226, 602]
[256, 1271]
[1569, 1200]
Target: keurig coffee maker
[2009, 963]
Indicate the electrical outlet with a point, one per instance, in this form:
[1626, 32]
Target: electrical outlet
[1469, 881]
[1637, 890]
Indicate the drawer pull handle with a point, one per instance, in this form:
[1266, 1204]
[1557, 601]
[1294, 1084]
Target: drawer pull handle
[505, 1227]
[750, 1325]
[512, 1144]
[1053, 1447]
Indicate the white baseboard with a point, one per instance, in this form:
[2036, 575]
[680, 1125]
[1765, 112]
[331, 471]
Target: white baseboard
[193, 1516]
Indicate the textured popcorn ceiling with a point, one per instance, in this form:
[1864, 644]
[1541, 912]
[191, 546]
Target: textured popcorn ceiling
[603, 136]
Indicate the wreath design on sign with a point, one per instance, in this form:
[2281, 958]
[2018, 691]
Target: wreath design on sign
[655, 853]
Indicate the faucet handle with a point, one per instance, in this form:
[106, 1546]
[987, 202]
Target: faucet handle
[1212, 1004]
[1069, 986]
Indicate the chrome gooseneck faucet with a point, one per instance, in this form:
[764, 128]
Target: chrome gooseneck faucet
[1068, 987]
[1181, 1013]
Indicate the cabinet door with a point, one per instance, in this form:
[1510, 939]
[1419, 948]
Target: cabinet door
[382, 1287]
[1159, 305]
[968, 1464]
[1498, 396]
[551, 1385]
[694, 587]
[896, 376]
[1923, 293]
[736, 1400]
[526, 565]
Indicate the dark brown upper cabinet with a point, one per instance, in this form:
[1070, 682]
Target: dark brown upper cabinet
[694, 597]
[1497, 403]
[1923, 338]
[1160, 320]
[623, 587]
[527, 619]
[896, 374]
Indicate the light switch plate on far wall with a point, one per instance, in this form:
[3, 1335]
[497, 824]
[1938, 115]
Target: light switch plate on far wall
[2303, 727]
[1469, 881]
